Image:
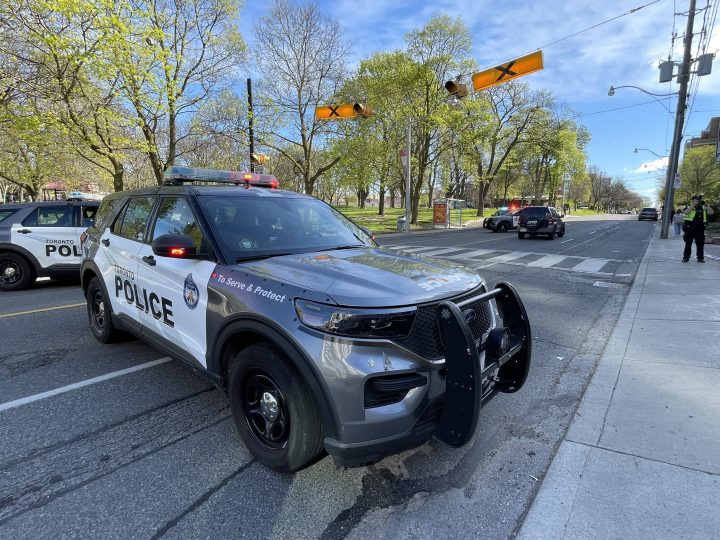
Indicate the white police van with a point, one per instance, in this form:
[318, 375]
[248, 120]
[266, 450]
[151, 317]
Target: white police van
[41, 239]
[323, 340]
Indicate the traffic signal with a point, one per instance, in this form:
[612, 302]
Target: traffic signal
[456, 88]
[345, 110]
[509, 70]
[260, 159]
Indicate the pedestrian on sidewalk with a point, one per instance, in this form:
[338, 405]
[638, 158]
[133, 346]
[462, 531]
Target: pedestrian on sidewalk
[678, 221]
[695, 219]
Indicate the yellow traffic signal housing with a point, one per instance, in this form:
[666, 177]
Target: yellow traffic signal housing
[508, 71]
[260, 158]
[345, 110]
[456, 88]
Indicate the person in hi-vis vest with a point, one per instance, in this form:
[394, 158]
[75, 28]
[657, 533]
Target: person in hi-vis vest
[695, 220]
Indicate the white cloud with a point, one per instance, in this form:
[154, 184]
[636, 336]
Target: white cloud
[652, 166]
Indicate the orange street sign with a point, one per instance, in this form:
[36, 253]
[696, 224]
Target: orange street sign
[335, 112]
[529, 63]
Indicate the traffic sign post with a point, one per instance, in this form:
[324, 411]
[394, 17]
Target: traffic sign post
[508, 71]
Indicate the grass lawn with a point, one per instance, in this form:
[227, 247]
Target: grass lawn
[368, 217]
[584, 212]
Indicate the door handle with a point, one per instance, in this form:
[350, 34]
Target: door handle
[105, 242]
[24, 231]
[149, 259]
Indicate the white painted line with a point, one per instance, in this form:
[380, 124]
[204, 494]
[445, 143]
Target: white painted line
[40, 310]
[440, 251]
[590, 265]
[566, 241]
[547, 261]
[472, 254]
[508, 256]
[417, 249]
[87, 382]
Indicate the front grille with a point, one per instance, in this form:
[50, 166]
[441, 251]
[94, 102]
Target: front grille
[424, 337]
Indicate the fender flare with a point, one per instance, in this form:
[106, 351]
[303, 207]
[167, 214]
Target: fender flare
[278, 337]
[25, 253]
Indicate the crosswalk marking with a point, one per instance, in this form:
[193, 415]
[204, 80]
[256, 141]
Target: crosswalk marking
[440, 251]
[507, 257]
[547, 261]
[568, 263]
[590, 265]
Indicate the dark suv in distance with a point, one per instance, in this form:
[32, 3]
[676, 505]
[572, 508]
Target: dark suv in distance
[648, 213]
[535, 220]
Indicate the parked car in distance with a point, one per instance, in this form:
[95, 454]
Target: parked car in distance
[500, 221]
[534, 220]
[648, 213]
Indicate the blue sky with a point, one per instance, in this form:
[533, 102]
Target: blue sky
[578, 70]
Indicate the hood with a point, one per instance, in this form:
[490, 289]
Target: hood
[370, 277]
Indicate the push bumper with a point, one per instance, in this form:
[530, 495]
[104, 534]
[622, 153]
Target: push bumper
[472, 379]
[470, 383]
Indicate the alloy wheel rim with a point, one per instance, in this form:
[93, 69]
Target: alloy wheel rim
[10, 272]
[266, 410]
[98, 308]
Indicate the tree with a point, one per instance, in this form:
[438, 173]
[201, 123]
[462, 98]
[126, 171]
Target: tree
[700, 174]
[169, 57]
[301, 55]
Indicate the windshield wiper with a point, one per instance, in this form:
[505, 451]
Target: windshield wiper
[348, 246]
[260, 257]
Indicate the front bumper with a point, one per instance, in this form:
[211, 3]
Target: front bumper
[474, 374]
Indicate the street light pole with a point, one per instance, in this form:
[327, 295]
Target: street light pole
[684, 77]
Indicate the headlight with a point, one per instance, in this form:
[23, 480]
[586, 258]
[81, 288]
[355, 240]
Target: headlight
[363, 323]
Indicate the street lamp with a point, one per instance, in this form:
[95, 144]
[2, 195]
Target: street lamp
[653, 153]
[611, 93]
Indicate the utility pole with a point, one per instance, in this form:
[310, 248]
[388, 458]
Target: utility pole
[683, 77]
[250, 125]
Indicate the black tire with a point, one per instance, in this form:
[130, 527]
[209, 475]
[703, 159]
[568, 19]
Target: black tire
[552, 235]
[561, 233]
[521, 235]
[16, 272]
[294, 438]
[503, 227]
[99, 314]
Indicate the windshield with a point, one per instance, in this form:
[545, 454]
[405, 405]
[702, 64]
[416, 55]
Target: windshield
[255, 227]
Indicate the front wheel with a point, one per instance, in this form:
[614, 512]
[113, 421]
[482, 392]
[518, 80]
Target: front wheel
[503, 228]
[16, 273]
[99, 314]
[273, 409]
[521, 235]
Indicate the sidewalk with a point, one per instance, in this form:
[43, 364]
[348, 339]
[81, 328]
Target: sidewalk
[641, 458]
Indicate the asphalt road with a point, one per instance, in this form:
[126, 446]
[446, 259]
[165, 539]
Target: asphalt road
[153, 452]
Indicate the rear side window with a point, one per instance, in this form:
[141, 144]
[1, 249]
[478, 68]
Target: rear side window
[50, 216]
[107, 211]
[132, 222]
[87, 215]
[4, 214]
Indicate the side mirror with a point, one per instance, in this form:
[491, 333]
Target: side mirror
[368, 232]
[562, 215]
[177, 246]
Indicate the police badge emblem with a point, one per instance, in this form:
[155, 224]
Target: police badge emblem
[191, 293]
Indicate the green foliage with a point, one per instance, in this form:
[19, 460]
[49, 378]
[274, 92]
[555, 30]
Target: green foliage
[700, 174]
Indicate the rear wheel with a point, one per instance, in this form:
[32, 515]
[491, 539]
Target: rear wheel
[521, 235]
[552, 235]
[273, 409]
[16, 272]
[99, 314]
[561, 233]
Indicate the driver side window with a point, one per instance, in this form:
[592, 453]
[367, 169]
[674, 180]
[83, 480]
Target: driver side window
[176, 217]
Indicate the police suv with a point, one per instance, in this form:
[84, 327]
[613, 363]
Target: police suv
[321, 339]
[41, 239]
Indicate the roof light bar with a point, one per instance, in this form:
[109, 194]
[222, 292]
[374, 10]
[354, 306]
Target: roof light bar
[179, 175]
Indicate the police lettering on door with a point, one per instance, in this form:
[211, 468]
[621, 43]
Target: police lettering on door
[147, 301]
[64, 248]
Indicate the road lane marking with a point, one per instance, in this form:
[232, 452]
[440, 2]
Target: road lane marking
[87, 382]
[590, 265]
[439, 252]
[508, 256]
[40, 310]
[547, 261]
